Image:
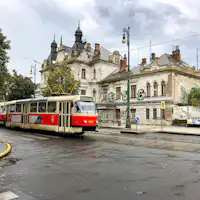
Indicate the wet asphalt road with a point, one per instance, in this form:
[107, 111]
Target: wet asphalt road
[48, 167]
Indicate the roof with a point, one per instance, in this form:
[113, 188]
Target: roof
[168, 60]
[52, 57]
[117, 75]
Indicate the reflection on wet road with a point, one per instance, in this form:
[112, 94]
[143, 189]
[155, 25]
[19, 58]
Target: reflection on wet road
[89, 168]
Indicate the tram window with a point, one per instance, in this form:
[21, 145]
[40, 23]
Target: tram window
[18, 108]
[33, 107]
[42, 107]
[12, 108]
[52, 107]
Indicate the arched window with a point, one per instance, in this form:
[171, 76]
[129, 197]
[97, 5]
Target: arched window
[148, 90]
[94, 74]
[163, 88]
[94, 93]
[155, 87]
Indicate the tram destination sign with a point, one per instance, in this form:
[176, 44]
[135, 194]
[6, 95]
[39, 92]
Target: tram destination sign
[85, 98]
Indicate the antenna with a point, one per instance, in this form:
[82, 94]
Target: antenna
[150, 50]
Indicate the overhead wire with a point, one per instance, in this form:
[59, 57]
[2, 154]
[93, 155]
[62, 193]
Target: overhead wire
[165, 42]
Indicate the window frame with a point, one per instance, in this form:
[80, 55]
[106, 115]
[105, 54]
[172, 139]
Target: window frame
[47, 106]
[118, 93]
[83, 73]
[36, 107]
[133, 88]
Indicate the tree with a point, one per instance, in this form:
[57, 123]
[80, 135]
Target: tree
[4, 74]
[61, 80]
[19, 87]
[194, 97]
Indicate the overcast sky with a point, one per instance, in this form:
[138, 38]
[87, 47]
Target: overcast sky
[31, 24]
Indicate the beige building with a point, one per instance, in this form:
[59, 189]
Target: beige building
[166, 78]
[90, 65]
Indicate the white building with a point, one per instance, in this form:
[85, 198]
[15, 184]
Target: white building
[89, 65]
[102, 74]
[166, 78]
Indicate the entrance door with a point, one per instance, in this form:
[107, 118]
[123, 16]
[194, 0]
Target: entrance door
[24, 123]
[64, 116]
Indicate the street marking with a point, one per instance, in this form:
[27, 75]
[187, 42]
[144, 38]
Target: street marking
[8, 196]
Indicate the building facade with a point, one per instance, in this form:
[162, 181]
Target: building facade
[166, 78]
[90, 65]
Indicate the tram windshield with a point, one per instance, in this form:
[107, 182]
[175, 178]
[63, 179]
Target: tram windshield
[85, 107]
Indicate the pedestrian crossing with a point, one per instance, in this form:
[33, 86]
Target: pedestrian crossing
[8, 196]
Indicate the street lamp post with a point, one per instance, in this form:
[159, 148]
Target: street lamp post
[33, 71]
[197, 59]
[126, 33]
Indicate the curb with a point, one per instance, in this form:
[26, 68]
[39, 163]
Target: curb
[7, 151]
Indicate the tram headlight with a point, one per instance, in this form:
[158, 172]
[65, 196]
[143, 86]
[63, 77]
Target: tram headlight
[85, 121]
[97, 121]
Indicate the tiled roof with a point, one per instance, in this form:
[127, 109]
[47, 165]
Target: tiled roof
[117, 75]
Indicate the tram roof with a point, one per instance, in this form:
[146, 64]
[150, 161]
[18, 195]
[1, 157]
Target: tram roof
[54, 98]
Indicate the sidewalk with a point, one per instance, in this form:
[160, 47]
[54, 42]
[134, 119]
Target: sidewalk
[155, 129]
[5, 149]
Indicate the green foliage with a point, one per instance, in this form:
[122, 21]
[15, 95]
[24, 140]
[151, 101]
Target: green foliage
[19, 87]
[4, 75]
[194, 97]
[62, 77]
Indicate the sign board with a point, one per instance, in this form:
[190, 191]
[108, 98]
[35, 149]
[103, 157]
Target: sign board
[86, 98]
[162, 105]
[137, 120]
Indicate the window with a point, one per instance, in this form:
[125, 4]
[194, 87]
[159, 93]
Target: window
[105, 91]
[117, 114]
[18, 108]
[94, 74]
[155, 89]
[163, 88]
[133, 91]
[94, 93]
[148, 90]
[42, 107]
[147, 113]
[1, 109]
[12, 108]
[133, 112]
[51, 107]
[83, 74]
[154, 113]
[116, 60]
[33, 107]
[118, 92]
[162, 114]
[83, 92]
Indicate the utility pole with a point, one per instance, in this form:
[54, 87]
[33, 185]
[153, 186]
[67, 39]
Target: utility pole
[126, 33]
[197, 59]
[33, 71]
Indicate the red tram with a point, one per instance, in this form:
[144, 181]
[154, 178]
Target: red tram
[2, 112]
[69, 114]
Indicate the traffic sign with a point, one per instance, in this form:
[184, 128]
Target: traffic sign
[163, 106]
[137, 120]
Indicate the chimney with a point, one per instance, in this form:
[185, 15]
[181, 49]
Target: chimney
[153, 56]
[178, 54]
[88, 47]
[97, 49]
[144, 61]
[123, 63]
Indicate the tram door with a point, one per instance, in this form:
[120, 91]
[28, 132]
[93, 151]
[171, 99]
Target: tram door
[64, 116]
[24, 123]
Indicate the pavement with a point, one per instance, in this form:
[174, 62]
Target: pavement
[98, 166]
[140, 129]
[5, 149]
